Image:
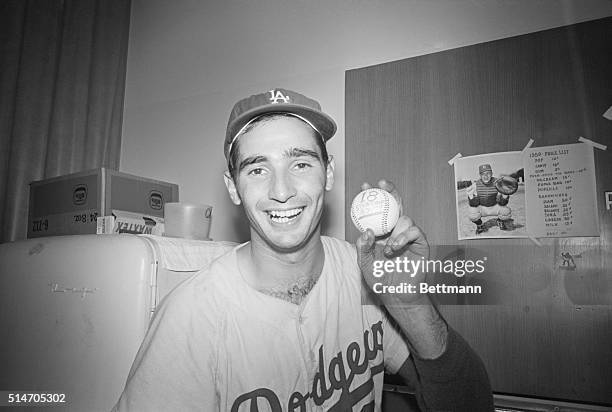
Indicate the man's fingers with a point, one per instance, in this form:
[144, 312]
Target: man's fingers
[365, 242]
[390, 187]
[403, 224]
[397, 240]
[404, 234]
[365, 186]
[365, 246]
[386, 185]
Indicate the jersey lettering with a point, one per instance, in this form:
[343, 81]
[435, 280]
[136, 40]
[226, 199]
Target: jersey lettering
[330, 379]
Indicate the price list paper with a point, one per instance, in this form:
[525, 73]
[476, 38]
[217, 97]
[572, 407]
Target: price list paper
[560, 191]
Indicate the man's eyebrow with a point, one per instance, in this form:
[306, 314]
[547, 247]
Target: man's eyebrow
[299, 152]
[289, 153]
[251, 160]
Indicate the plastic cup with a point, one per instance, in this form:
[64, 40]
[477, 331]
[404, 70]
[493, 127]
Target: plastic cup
[187, 220]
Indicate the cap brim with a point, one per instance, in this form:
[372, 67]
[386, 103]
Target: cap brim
[324, 124]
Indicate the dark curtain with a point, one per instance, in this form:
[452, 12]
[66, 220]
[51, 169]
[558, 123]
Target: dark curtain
[62, 79]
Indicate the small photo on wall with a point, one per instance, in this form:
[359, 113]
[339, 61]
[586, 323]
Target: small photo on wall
[490, 196]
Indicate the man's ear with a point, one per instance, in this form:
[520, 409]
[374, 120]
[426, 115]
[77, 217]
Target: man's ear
[231, 188]
[329, 178]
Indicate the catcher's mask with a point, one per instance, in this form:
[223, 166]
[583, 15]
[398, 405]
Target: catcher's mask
[485, 168]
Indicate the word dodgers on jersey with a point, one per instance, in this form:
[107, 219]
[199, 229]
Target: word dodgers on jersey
[336, 376]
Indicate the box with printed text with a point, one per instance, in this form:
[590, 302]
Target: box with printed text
[71, 204]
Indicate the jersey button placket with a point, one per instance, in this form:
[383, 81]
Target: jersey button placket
[304, 350]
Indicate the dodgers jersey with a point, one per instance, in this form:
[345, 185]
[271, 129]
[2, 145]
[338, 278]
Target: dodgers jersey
[217, 344]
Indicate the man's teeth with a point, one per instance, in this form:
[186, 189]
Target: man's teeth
[282, 216]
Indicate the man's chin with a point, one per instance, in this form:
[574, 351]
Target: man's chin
[286, 245]
[289, 243]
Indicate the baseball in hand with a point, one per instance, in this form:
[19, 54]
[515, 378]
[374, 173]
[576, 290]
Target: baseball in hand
[375, 209]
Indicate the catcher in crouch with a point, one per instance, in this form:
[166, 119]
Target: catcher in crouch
[488, 196]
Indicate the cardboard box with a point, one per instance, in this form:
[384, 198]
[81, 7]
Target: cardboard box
[71, 204]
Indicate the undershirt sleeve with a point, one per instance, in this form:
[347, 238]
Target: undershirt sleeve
[457, 380]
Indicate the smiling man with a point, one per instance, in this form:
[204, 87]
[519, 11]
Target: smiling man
[279, 323]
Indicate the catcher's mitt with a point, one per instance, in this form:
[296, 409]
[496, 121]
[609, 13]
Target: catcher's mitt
[506, 185]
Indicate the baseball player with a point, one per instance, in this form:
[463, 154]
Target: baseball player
[485, 200]
[278, 323]
[568, 260]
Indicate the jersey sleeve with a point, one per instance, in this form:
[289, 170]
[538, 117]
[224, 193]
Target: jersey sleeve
[394, 346]
[175, 367]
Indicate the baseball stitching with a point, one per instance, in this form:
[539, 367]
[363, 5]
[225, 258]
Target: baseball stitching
[385, 218]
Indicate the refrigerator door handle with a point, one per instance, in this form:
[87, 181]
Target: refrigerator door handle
[153, 280]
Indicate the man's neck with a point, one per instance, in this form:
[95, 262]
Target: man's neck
[264, 267]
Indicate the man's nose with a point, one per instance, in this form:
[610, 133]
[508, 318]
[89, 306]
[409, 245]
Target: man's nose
[282, 188]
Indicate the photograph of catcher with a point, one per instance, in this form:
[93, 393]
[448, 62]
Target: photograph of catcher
[490, 196]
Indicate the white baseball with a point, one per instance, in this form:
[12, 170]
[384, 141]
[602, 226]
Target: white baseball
[375, 209]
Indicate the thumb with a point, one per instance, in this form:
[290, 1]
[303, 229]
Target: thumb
[365, 249]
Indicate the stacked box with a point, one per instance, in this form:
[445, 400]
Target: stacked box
[71, 204]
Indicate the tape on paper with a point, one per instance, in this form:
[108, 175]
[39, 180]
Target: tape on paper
[452, 161]
[592, 143]
[528, 145]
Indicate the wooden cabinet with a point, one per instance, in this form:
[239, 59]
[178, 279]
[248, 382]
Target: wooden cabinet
[551, 336]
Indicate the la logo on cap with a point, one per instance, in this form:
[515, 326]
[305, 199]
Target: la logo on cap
[276, 95]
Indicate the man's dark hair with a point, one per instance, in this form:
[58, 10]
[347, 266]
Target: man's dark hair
[233, 155]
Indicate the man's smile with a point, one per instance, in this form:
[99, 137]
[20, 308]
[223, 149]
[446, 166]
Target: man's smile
[284, 216]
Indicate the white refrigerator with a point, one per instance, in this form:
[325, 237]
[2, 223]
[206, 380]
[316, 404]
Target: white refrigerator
[74, 310]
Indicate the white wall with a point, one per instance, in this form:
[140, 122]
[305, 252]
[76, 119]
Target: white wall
[190, 60]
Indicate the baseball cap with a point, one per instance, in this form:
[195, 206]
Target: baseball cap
[484, 168]
[277, 101]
